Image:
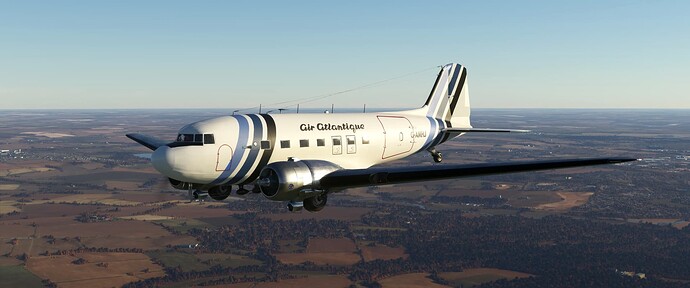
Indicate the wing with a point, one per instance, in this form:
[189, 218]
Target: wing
[148, 141]
[342, 179]
[465, 130]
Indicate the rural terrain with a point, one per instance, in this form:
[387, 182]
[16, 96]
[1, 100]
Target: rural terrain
[81, 206]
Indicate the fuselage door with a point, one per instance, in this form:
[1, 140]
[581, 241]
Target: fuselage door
[224, 157]
[398, 139]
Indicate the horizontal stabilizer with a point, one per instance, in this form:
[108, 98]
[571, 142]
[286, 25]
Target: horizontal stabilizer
[148, 141]
[342, 179]
[466, 130]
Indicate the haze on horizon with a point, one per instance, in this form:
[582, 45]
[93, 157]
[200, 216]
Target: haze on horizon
[229, 54]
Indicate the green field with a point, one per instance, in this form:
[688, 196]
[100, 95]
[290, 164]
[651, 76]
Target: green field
[17, 276]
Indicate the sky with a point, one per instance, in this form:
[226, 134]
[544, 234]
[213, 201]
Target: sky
[238, 54]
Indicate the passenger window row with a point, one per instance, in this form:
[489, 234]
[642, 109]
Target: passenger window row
[303, 143]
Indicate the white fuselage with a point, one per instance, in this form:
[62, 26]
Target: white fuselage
[243, 144]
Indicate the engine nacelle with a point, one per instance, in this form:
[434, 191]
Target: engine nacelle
[287, 180]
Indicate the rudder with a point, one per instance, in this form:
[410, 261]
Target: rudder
[449, 98]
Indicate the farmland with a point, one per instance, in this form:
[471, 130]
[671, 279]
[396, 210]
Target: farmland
[77, 197]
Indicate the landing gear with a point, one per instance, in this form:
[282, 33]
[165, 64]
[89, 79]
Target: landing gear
[219, 193]
[198, 195]
[241, 191]
[438, 157]
[316, 203]
[295, 206]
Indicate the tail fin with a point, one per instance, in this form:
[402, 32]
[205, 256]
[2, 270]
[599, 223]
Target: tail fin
[449, 100]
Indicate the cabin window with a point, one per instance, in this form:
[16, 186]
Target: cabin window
[304, 143]
[351, 147]
[320, 142]
[285, 144]
[337, 145]
[209, 139]
[265, 144]
[365, 140]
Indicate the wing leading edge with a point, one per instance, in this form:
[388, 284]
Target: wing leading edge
[148, 141]
[342, 179]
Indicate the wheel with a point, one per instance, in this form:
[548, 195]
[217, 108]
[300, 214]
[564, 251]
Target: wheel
[316, 203]
[438, 157]
[219, 193]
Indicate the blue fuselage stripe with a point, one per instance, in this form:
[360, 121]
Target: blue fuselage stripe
[253, 152]
[432, 133]
[239, 149]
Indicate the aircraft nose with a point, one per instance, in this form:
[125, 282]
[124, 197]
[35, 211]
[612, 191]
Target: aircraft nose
[163, 160]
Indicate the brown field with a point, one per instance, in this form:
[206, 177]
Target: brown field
[122, 185]
[106, 199]
[311, 281]
[18, 171]
[339, 251]
[323, 245]
[41, 245]
[530, 199]
[473, 277]
[10, 229]
[8, 206]
[382, 252]
[411, 280]
[8, 187]
[195, 210]
[111, 234]
[676, 223]
[121, 268]
[146, 217]
[569, 200]
[330, 212]
[331, 258]
[57, 210]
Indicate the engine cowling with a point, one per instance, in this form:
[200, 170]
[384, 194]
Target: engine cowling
[286, 180]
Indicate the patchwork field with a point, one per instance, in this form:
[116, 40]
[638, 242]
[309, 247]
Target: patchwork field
[473, 277]
[411, 280]
[568, 201]
[383, 252]
[321, 251]
[96, 270]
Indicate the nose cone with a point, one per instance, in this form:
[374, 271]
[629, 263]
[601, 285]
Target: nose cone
[163, 160]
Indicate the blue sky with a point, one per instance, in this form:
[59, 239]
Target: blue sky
[233, 54]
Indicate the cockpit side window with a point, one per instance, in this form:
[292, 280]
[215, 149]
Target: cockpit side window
[198, 138]
[209, 139]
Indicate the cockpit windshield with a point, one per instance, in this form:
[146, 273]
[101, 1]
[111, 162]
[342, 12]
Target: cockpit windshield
[194, 139]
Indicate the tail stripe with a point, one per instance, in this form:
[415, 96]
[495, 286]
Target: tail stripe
[431, 93]
[458, 91]
[437, 95]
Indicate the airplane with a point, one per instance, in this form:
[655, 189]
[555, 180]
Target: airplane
[302, 158]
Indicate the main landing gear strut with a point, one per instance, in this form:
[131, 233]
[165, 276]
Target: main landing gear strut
[438, 157]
